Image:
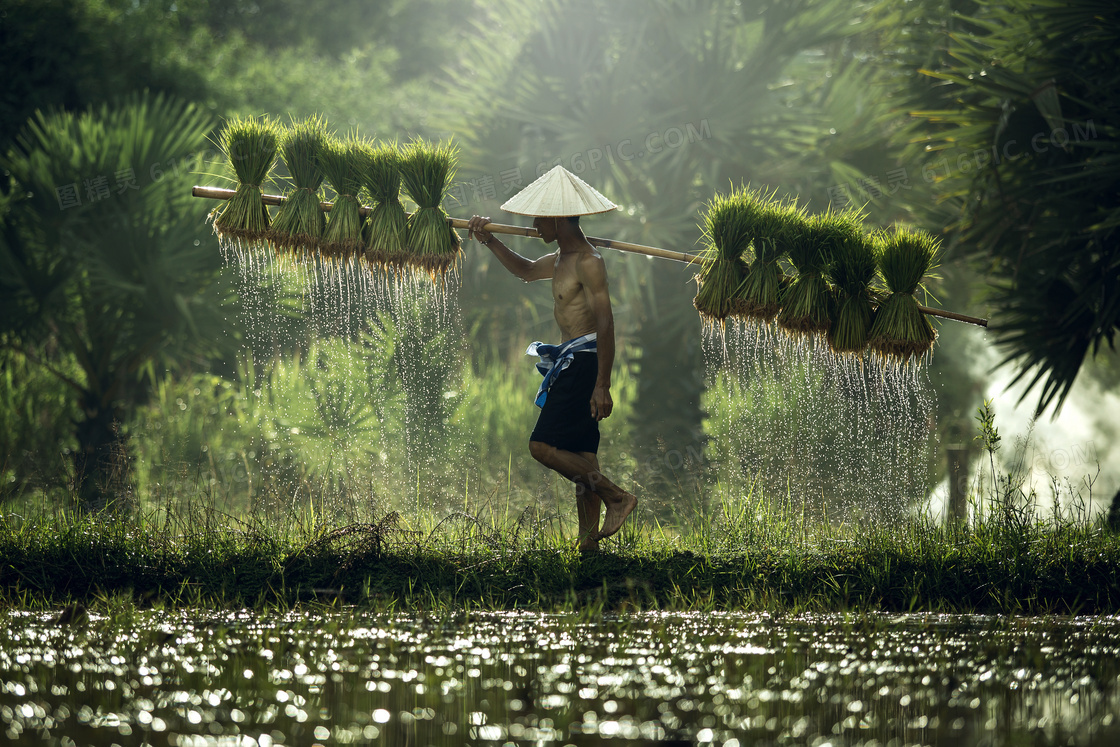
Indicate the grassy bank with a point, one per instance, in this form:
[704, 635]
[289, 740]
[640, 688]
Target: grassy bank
[752, 560]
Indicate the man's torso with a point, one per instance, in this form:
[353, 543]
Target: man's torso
[571, 305]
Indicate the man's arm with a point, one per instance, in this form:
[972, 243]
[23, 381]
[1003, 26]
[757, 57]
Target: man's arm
[522, 267]
[592, 273]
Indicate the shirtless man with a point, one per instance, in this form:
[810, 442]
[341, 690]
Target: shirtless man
[566, 438]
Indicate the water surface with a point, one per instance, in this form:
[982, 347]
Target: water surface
[346, 677]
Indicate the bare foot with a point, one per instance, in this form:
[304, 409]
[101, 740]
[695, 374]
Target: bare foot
[589, 547]
[617, 511]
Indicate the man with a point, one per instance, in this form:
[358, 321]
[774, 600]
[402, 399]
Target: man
[575, 394]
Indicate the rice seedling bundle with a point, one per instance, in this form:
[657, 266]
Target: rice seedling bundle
[300, 223]
[852, 270]
[727, 234]
[343, 162]
[901, 330]
[387, 230]
[807, 300]
[426, 170]
[249, 145]
[777, 227]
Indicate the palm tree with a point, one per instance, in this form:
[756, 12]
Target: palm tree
[1023, 139]
[104, 266]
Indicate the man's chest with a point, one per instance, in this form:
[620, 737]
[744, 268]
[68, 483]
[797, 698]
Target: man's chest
[566, 286]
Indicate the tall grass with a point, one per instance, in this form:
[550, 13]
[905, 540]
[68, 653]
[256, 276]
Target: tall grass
[745, 551]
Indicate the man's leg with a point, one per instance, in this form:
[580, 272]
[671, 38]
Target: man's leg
[588, 507]
[585, 473]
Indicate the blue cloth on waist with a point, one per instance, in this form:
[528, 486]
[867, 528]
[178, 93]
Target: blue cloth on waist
[555, 358]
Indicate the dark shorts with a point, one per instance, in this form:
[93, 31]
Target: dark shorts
[565, 420]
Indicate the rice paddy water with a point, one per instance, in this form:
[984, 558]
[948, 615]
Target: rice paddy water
[343, 677]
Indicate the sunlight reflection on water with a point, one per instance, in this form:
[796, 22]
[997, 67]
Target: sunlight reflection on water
[730, 679]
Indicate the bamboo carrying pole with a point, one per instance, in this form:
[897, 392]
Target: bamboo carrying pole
[217, 193]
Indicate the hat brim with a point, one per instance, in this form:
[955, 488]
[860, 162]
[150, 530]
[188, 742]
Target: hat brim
[558, 194]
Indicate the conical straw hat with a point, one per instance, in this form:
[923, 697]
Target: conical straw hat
[559, 193]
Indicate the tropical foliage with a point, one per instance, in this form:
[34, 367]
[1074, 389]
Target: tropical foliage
[107, 281]
[1022, 140]
[107, 301]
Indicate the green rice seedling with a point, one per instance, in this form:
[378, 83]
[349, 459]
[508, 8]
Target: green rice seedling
[851, 271]
[717, 284]
[748, 208]
[807, 300]
[249, 145]
[901, 330]
[426, 169]
[727, 234]
[778, 226]
[344, 162]
[300, 222]
[387, 230]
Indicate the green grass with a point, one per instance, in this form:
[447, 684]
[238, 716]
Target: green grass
[741, 556]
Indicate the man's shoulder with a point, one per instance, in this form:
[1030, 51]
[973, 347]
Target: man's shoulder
[591, 256]
[591, 269]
